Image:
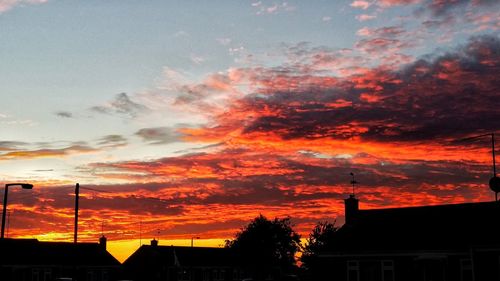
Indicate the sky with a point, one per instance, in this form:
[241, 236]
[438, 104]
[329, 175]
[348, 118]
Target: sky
[187, 119]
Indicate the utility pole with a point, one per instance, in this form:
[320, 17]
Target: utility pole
[77, 193]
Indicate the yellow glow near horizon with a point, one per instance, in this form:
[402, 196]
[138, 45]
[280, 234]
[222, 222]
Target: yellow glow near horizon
[122, 249]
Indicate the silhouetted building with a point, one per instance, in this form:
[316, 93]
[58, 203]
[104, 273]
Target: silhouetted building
[33, 260]
[173, 263]
[445, 242]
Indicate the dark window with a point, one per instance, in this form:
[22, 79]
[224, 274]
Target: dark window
[47, 274]
[206, 275]
[183, 275]
[387, 270]
[466, 270]
[35, 274]
[353, 270]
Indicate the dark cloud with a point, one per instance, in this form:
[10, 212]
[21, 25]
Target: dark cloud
[159, 135]
[452, 95]
[272, 180]
[439, 8]
[64, 114]
[112, 141]
[131, 204]
[121, 104]
[11, 145]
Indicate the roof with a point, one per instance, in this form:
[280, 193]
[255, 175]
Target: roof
[182, 256]
[34, 252]
[427, 228]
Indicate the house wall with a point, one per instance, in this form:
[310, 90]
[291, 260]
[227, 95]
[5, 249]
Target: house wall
[455, 267]
[52, 272]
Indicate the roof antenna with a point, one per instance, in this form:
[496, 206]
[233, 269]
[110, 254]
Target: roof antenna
[494, 182]
[353, 182]
[140, 232]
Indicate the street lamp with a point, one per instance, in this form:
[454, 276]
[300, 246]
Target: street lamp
[24, 186]
[192, 238]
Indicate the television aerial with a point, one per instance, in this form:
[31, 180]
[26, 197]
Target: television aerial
[353, 182]
[494, 182]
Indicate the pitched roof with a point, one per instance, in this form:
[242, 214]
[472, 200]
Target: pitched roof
[34, 252]
[182, 256]
[437, 228]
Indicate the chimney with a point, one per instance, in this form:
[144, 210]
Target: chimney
[351, 209]
[154, 242]
[103, 241]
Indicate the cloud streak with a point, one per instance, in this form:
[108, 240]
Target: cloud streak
[6, 5]
[159, 135]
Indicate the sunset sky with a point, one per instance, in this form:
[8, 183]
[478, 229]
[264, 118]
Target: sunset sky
[186, 118]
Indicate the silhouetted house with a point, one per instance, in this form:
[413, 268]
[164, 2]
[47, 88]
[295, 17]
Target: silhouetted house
[173, 263]
[33, 260]
[458, 242]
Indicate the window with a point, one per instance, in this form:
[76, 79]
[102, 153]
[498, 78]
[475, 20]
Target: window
[47, 274]
[466, 273]
[218, 274]
[353, 270]
[236, 274]
[183, 275]
[90, 275]
[206, 275]
[35, 274]
[387, 270]
[105, 276]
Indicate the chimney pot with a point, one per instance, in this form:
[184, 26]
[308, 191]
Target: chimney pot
[103, 241]
[351, 209]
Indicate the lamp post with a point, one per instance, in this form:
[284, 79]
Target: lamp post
[24, 186]
[192, 238]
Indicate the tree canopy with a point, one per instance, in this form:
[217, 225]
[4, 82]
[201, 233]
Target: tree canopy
[319, 240]
[265, 244]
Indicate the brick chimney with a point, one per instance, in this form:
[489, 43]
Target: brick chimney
[103, 241]
[154, 242]
[351, 209]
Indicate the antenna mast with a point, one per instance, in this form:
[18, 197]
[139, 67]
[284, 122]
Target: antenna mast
[77, 193]
[494, 182]
[353, 182]
[493, 154]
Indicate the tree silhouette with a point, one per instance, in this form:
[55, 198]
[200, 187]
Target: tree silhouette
[266, 246]
[319, 240]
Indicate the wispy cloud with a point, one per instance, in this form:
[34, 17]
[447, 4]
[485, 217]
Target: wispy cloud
[112, 141]
[122, 104]
[46, 152]
[361, 4]
[11, 145]
[64, 114]
[272, 8]
[159, 135]
[224, 41]
[6, 5]
[365, 17]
